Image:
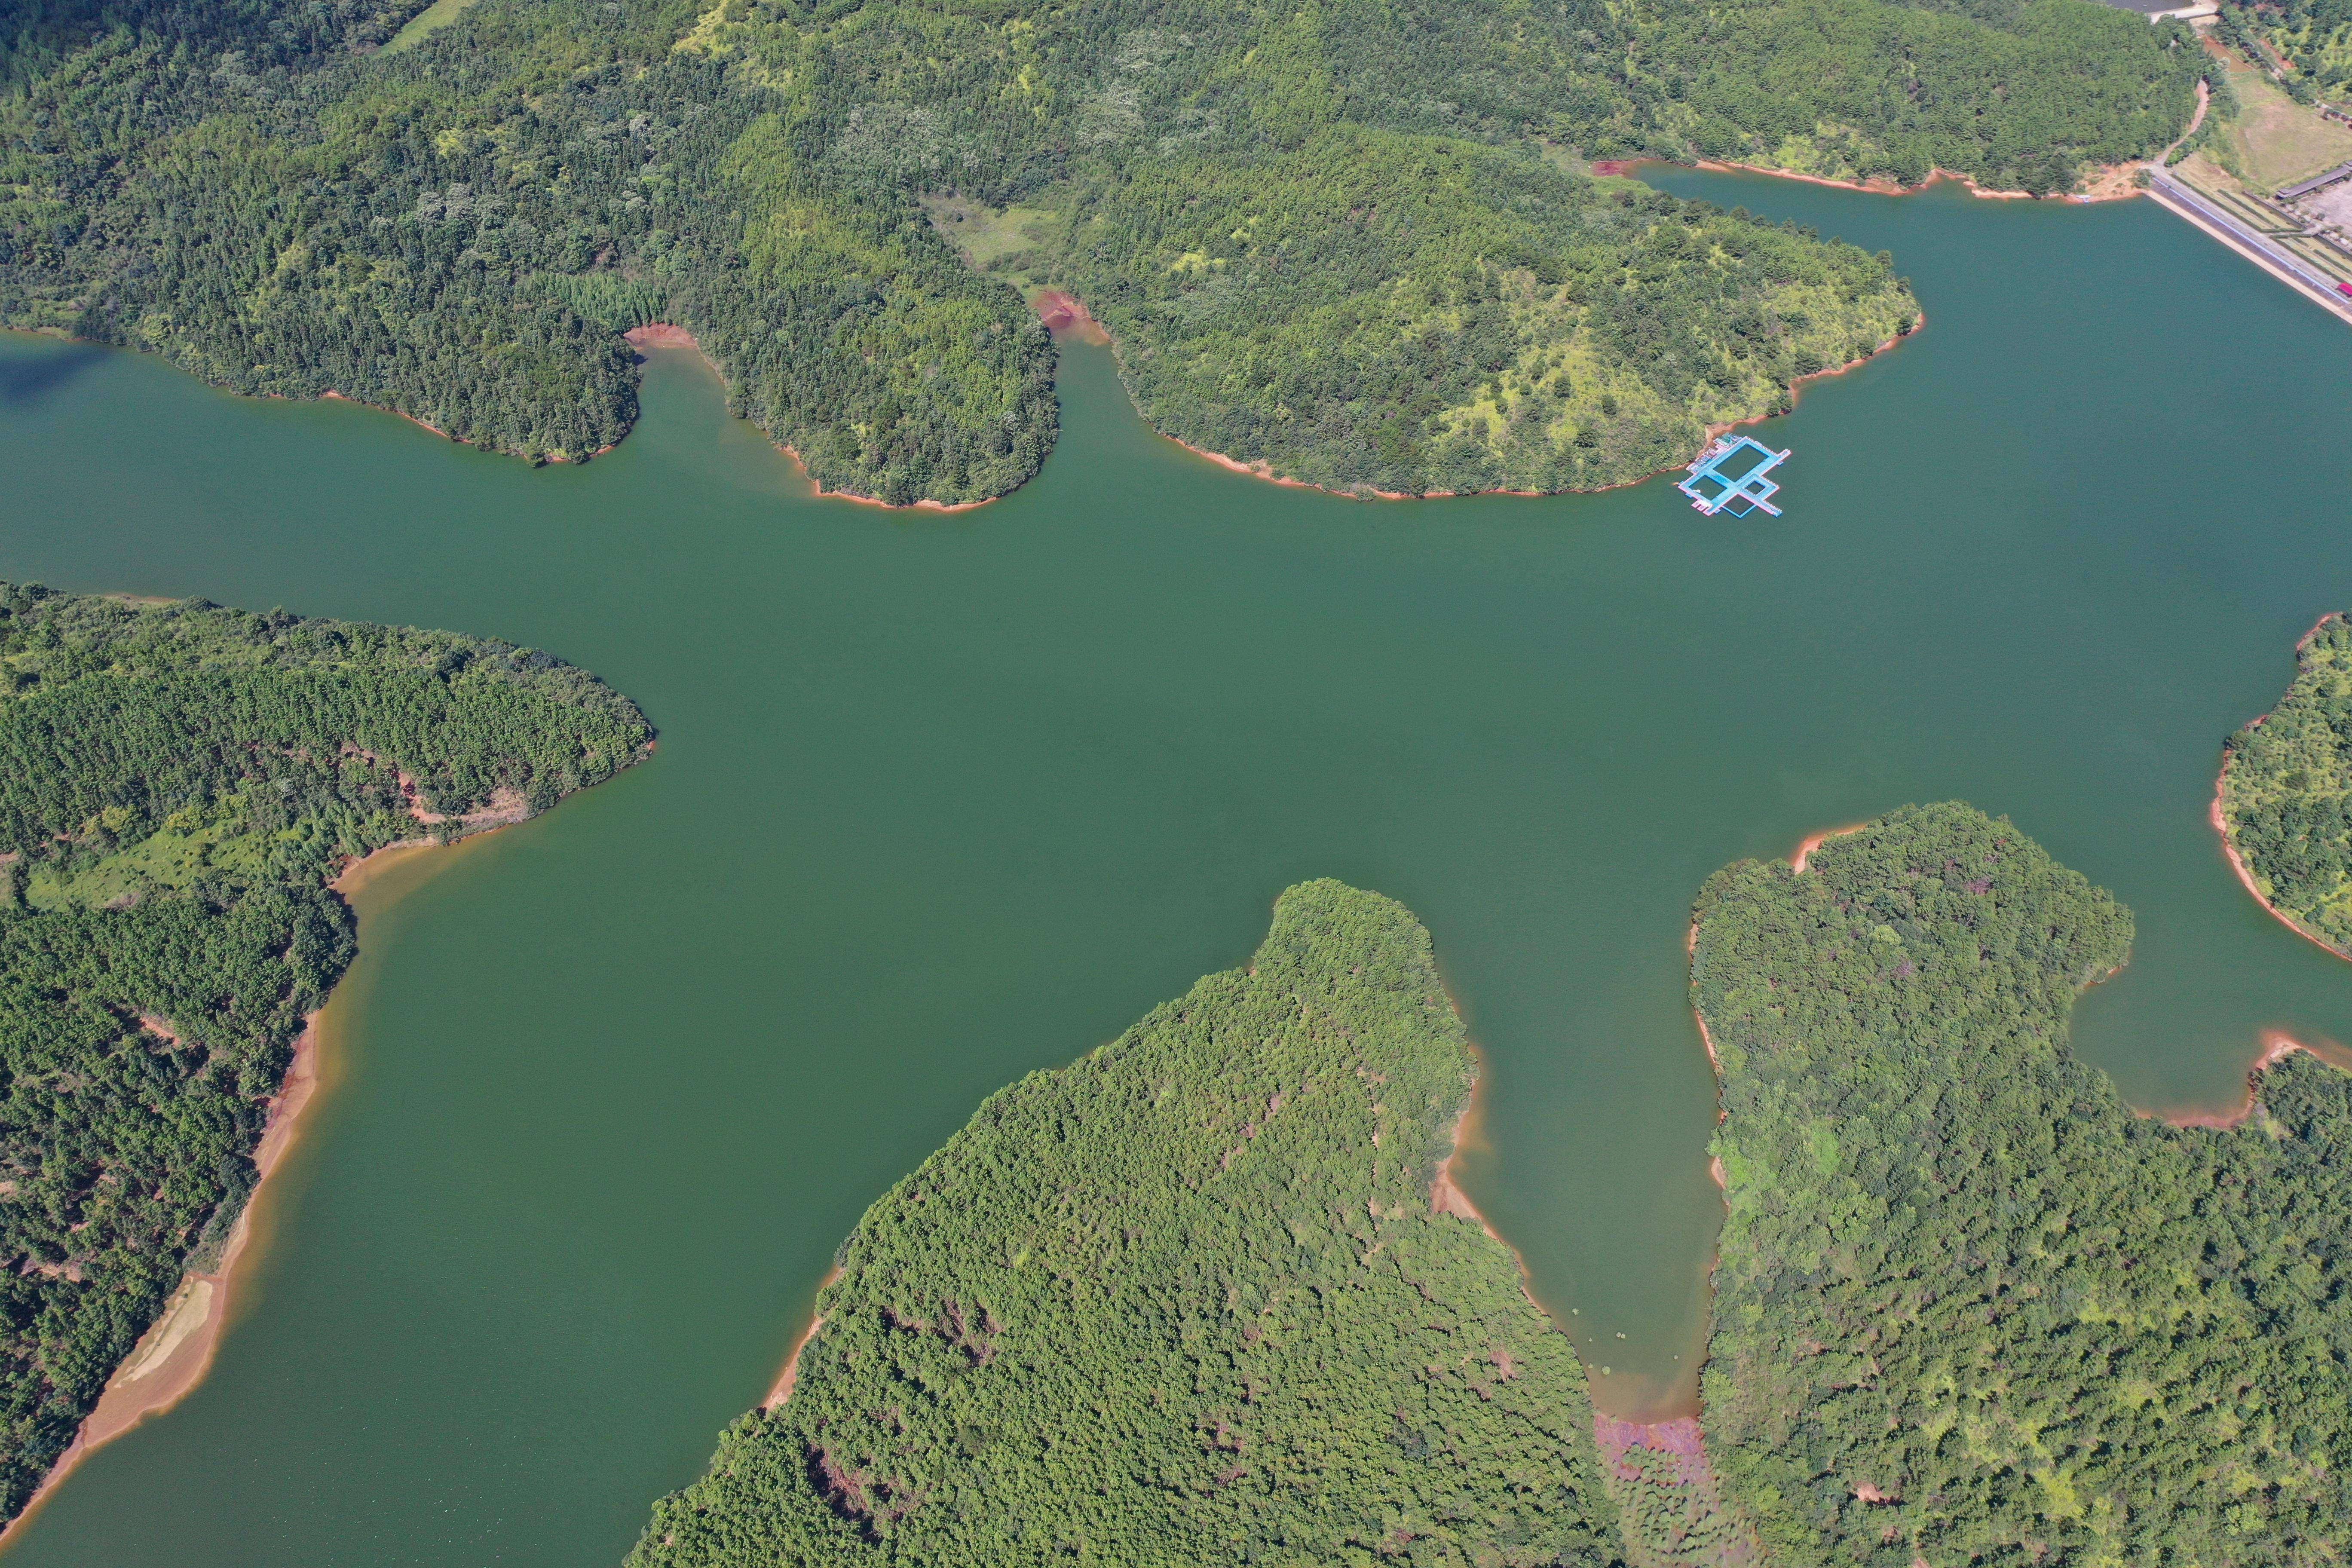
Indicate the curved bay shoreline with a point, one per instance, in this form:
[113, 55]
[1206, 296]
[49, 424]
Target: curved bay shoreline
[1672, 1422]
[171, 1358]
[669, 335]
[2219, 818]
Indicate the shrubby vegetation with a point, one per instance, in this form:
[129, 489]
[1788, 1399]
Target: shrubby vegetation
[1330, 237]
[1508, 326]
[2286, 791]
[176, 785]
[2313, 36]
[1184, 1301]
[1968, 1307]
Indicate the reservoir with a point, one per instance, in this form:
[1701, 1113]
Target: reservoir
[942, 799]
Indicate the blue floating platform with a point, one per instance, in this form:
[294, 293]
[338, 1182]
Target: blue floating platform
[1725, 479]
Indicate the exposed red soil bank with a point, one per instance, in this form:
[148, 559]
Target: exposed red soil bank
[2221, 824]
[2246, 877]
[421, 425]
[1062, 311]
[1805, 847]
[792, 1372]
[666, 336]
[1445, 1193]
[1680, 1436]
[1687, 1471]
[1877, 184]
[173, 1357]
[396, 414]
[1797, 391]
[2276, 1048]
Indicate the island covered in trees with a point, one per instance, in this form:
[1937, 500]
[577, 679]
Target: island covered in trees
[1362, 245]
[2284, 802]
[178, 782]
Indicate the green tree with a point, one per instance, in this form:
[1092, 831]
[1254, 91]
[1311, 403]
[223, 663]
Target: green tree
[177, 783]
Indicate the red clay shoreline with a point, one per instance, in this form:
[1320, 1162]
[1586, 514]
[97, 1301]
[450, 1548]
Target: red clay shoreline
[1061, 312]
[2245, 875]
[1812, 841]
[186, 1336]
[2277, 1046]
[669, 335]
[1880, 185]
[1445, 1193]
[790, 1374]
[1445, 1197]
[2221, 825]
[331, 394]
[1263, 469]
[182, 1351]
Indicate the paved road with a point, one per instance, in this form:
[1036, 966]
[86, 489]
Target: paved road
[2280, 260]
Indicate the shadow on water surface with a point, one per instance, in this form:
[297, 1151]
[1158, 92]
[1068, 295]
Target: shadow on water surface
[943, 800]
[27, 378]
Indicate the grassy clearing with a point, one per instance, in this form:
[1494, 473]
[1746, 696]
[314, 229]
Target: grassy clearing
[2209, 174]
[1005, 243]
[2276, 141]
[430, 20]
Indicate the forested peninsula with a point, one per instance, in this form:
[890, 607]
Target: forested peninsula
[178, 782]
[2284, 801]
[1355, 243]
[1968, 1306]
[1186, 1300]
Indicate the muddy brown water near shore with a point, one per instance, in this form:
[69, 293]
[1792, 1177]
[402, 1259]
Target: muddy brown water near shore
[942, 799]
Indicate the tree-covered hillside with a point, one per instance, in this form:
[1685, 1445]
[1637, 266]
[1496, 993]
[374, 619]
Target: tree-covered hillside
[2313, 36]
[1512, 327]
[2286, 791]
[176, 785]
[1183, 1301]
[1968, 1307]
[1341, 237]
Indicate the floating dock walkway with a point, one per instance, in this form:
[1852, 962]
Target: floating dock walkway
[1720, 482]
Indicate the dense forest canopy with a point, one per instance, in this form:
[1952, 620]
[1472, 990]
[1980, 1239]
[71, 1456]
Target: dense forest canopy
[1184, 1301]
[2286, 791]
[177, 783]
[1350, 238]
[1968, 1307]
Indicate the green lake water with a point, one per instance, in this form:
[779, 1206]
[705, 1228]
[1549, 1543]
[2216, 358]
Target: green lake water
[940, 800]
